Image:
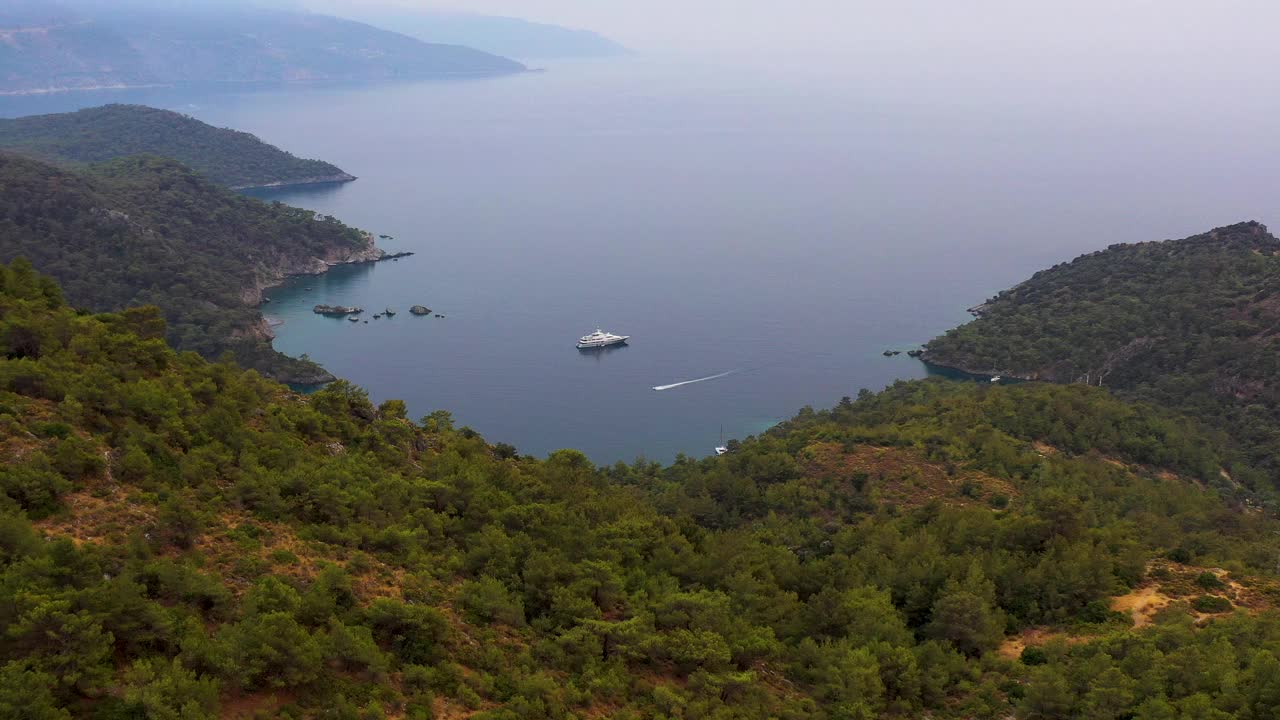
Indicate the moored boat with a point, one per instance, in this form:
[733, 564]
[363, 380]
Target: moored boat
[601, 339]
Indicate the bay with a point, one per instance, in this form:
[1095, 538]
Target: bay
[782, 225]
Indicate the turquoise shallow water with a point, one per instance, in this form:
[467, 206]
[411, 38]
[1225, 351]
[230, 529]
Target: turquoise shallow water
[787, 226]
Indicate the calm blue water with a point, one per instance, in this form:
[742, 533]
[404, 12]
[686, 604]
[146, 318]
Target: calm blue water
[789, 227]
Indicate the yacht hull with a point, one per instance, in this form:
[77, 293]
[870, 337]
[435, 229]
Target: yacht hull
[602, 345]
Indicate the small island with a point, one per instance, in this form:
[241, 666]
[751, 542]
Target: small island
[336, 310]
[420, 310]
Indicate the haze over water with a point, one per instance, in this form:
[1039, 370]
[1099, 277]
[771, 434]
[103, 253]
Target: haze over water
[781, 223]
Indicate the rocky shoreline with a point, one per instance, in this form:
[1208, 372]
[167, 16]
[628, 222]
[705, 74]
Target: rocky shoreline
[318, 180]
[936, 362]
[284, 268]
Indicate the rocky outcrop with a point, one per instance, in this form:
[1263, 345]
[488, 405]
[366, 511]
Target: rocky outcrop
[259, 330]
[273, 271]
[277, 269]
[309, 378]
[336, 310]
[420, 310]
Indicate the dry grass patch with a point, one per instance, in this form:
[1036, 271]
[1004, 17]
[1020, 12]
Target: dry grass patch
[902, 477]
[240, 548]
[102, 514]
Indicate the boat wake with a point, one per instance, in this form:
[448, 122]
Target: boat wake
[672, 386]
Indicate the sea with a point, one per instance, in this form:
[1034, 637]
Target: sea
[767, 232]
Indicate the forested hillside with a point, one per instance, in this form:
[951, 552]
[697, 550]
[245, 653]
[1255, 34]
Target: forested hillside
[227, 157]
[185, 539]
[1193, 324]
[147, 231]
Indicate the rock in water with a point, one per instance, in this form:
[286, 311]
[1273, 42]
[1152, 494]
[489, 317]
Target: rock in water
[336, 310]
[420, 310]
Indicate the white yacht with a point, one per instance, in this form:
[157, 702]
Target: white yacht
[600, 339]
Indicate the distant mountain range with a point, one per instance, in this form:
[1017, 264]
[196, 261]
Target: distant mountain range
[77, 44]
[227, 157]
[510, 37]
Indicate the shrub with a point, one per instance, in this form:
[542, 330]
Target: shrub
[1209, 581]
[488, 600]
[1211, 604]
[1034, 656]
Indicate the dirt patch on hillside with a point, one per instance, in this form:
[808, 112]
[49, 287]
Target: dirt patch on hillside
[254, 705]
[902, 477]
[1012, 647]
[1170, 587]
[103, 514]
[1141, 604]
[240, 547]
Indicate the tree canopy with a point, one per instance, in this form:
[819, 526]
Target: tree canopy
[1190, 324]
[179, 536]
[148, 231]
[101, 134]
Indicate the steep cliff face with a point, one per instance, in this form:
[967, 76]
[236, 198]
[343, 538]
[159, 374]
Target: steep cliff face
[273, 271]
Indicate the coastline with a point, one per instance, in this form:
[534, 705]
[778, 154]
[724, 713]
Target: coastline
[264, 326]
[261, 82]
[935, 365]
[337, 179]
[34, 92]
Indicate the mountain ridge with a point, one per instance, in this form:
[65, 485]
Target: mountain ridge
[144, 45]
[505, 36]
[227, 157]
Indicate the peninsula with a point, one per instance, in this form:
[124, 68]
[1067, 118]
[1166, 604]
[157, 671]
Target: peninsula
[137, 231]
[1189, 324]
[235, 159]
